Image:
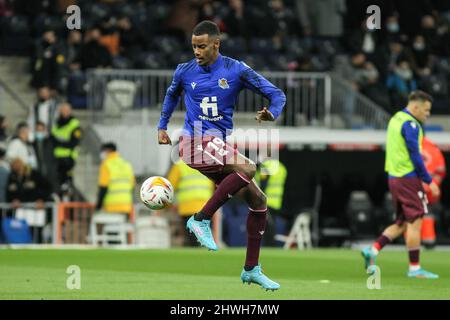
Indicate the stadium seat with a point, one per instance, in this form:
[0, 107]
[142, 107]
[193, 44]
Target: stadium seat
[16, 231]
[153, 232]
[300, 233]
[119, 96]
[115, 228]
[359, 211]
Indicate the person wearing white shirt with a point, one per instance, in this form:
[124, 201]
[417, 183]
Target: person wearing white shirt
[19, 147]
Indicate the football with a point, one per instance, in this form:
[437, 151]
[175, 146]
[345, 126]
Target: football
[157, 193]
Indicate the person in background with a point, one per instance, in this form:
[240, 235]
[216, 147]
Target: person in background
[192, 191]
[435, 164]
[3, 132]
[271, 178]
[44, 110]
[4, 175]
[66, 136]
[43, 147]
[116, 182]
[19, 146]
[26, 185]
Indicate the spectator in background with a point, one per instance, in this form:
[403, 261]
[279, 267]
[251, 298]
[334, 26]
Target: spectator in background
[282, 22]
[400, 83]
[66, 135]
[73, 45]
[47, 62]
[109, 37]
[183, 17]
[27, 185]
[3, 133]
[92, 53]
[20, 147]
[44, 110]
[132, 40]
[429, 32]
[4, 174]
[192, 190]
[411, 14]
[364, 40]
[363, 77]
[116, 182]
[392, 29]
[236, 19]
[322, 18]
[423, 61]
[388, 56]
[43, 147]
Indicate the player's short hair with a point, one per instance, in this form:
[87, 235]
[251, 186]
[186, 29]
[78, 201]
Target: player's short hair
[419, 95]
[206, 27]
[111, 146]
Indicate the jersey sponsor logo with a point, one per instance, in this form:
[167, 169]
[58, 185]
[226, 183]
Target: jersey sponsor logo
[210, 103]
[223, 83]
[193, 84]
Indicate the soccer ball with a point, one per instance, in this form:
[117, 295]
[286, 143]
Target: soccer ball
[156, 193]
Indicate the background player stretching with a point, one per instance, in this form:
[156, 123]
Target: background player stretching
[211, 84]
[406, 171]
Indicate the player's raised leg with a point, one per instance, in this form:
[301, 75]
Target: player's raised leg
[389, 234]
[413, 238]
[256, 224]
[237, 175]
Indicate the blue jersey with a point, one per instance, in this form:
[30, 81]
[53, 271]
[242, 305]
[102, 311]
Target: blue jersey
[211, 92]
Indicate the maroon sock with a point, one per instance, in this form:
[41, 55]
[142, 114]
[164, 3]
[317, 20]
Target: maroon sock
[381, 242]
[256, 224]
[229, 186]
[414, 256]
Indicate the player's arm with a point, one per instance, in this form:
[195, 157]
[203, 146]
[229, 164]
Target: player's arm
[410, 132]
[257, 83]
[171, 100]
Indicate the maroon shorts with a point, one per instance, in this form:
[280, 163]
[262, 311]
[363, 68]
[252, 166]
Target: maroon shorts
[409, 199]
[207, 154]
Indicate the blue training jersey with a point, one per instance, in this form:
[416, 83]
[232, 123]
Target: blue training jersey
[211, 92]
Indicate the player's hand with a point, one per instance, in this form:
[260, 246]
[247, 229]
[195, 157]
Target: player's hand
[435, 191]
[264, 115]
[163, 137]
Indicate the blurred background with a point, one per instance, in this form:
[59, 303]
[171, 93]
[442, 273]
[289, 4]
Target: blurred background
[65, 93]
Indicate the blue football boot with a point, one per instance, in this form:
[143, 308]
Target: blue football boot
[256, 276]
[202, 231]
[422, 274]
[369, 257]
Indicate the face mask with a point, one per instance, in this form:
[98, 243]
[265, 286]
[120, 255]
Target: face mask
[40, 136]
[419, 46]
[103, 155]
[393, 27]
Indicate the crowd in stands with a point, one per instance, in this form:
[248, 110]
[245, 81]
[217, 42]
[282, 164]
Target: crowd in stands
[411, 50]
[38, 159]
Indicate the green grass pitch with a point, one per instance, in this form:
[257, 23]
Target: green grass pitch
[199, 274]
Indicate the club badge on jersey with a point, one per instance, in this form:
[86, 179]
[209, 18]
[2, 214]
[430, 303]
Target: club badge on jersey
[223, 83]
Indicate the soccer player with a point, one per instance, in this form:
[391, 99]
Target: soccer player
[406, 171]
[211, 84]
